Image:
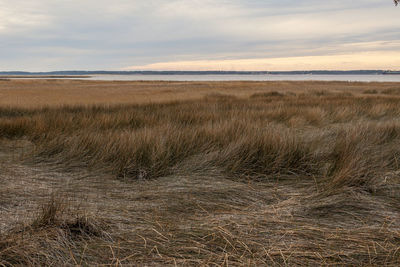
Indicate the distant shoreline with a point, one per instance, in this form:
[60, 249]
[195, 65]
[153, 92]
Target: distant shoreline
[43, 76]
[84, 74]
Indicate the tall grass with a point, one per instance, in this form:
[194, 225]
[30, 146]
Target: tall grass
[241, 137]
[327, 162]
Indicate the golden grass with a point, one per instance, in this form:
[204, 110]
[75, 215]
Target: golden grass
[209, 174]
[53, 92]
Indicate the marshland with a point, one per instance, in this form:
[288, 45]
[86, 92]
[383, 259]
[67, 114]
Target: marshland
[199, 173]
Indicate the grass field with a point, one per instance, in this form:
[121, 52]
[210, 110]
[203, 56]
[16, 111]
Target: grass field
[199, 173]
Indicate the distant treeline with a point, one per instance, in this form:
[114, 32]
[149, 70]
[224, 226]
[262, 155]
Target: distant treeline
[313, 72]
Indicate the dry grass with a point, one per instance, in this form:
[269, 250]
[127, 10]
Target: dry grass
[210, 174]
[53, 92]
[53, 236]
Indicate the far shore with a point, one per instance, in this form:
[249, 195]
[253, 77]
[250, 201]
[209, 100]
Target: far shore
[43, 76]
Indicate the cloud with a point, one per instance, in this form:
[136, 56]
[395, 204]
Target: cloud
[105, 34]
[353, 61]
[16, 17]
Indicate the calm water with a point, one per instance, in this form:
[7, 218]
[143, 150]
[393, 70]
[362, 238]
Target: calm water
[351, 78]
[232, 77]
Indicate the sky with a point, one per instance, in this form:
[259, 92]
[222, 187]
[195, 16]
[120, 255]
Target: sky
[258, 35]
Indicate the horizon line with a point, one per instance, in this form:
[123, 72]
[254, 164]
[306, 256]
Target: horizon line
[203, 71]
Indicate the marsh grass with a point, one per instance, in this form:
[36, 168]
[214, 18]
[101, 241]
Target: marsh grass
[54, 235]
[323, 157]
[267, 94]
[245, 136]
[391, 91]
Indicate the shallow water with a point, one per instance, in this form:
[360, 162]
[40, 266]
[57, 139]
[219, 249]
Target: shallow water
[225, 77]
[257, 77]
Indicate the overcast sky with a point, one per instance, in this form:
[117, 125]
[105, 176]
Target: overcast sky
[44, 35]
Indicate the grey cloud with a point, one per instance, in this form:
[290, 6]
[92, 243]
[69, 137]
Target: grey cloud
[104, 34]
